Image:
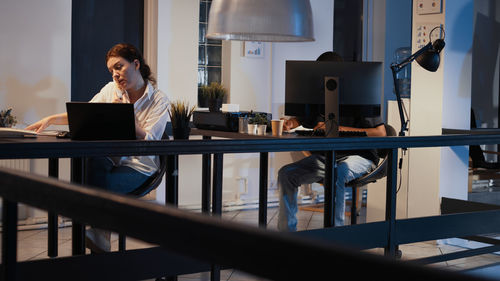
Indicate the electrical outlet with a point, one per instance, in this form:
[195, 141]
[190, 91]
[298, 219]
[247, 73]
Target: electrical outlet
[427, 7]
[422, 34]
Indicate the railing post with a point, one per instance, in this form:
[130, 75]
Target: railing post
[172, 187]
[9, 240]
[217, 202]
[52, 217]
[330, 190]
[172, 194]
[263, 177]
[78, 229]
[390, 208]
[217, 185]
[205, 180]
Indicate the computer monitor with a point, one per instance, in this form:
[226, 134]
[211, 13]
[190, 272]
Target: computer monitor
[358, 86]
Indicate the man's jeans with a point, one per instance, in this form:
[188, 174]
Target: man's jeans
[310, 170]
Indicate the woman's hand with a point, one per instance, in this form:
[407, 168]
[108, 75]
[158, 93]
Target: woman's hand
[56, 119]
[40, 125]
[121, 97]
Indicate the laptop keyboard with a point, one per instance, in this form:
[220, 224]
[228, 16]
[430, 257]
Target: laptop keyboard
[321, 133]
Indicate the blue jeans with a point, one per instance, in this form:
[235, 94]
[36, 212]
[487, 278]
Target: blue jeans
[102, 173]
[310, 170]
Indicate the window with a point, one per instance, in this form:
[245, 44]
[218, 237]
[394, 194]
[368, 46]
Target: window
[209, 54]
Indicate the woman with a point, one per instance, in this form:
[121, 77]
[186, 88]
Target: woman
[132, 83]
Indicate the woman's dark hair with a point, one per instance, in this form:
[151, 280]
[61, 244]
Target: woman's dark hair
[131, 53]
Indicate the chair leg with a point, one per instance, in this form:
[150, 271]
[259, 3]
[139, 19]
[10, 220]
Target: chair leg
[121, 242]
[354, 203]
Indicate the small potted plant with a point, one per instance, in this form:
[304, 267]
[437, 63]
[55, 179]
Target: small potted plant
[252, 127]
[260, 121]
[7, 119]
[180, 114]
[214, 94]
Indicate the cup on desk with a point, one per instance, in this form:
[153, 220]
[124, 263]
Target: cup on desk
[242, 125]
[277, 127]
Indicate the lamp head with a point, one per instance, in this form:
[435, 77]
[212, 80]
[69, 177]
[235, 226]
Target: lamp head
[430, 59]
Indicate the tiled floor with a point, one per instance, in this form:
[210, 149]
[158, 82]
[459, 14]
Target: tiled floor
[33, 245]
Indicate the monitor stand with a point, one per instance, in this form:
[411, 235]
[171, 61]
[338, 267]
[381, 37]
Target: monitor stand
[331, 106]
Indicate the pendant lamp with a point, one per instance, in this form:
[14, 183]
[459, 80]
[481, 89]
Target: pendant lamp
[261, 20]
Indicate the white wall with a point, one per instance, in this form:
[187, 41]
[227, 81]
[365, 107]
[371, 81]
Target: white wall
[259, 84]
[255, 84]
[177, 77]
[485, 65]
[457, 96]
[441, 99]
[35, 77]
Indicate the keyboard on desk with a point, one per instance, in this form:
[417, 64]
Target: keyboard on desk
[321, 133]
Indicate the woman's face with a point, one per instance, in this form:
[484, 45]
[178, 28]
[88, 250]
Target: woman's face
[125, 74]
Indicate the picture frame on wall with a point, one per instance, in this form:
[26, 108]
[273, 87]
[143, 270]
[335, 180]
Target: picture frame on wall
[253, 49]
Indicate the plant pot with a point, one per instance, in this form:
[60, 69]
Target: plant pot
[252, 129]
[181, 133]
[261, 129]
[214, 105]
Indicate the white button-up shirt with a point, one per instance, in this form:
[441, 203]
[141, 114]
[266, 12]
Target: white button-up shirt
[151, 113]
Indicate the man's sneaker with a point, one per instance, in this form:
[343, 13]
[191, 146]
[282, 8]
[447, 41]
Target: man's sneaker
[98, 240]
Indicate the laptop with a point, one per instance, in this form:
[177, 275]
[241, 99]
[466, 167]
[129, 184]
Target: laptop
[101, 121]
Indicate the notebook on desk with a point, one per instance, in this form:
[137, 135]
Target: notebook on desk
[16, 133]
[101, 121]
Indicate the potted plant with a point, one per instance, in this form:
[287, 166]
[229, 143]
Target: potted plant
[180, 114]
[7, 119]
[260, 121]
[251, 127]
[214, 94]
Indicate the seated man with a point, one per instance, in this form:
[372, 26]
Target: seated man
[350, 164]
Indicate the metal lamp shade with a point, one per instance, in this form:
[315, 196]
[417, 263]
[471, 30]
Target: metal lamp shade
[430, 59]
[261, 20]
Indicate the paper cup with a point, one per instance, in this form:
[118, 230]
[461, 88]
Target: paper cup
[277, 127]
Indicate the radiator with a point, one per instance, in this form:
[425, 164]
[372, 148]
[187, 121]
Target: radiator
[21, 165]
[17, 164]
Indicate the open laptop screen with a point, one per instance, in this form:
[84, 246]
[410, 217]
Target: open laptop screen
[101, 121]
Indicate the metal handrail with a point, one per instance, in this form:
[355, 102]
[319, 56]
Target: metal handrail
[65, 149]
[273, 255]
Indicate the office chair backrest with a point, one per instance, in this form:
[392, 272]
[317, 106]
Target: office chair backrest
[381, 170]
[155, 180]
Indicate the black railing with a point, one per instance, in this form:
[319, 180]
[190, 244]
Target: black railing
[195, 242]
[191, 237]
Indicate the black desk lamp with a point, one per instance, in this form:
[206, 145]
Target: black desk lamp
[428, 58]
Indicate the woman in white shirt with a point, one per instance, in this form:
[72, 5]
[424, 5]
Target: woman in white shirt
[132, 83]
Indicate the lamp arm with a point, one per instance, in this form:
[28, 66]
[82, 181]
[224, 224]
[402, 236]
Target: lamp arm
[395, 69]
[411, 58]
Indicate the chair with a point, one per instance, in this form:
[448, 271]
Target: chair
[476, 153]
[148, 186]
[479, 168]
[379, 172]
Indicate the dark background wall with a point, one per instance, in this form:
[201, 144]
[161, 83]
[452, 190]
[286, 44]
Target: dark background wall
[97, 25]
[348, 29]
